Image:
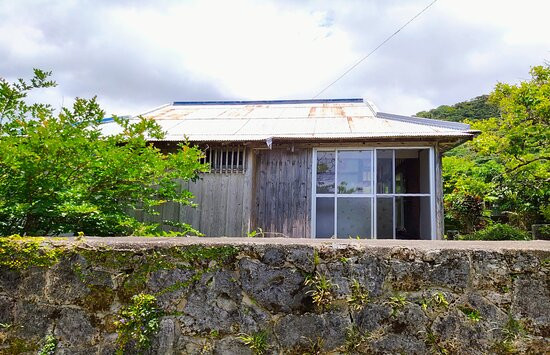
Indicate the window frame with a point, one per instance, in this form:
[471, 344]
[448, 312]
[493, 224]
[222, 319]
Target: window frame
[374, 194]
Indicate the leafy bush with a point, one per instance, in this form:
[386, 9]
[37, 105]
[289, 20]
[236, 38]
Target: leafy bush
[498, 232]
[138, 322]
[468, 210]
[60, 174]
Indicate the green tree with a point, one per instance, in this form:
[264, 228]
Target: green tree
[477, 108]
[507, 165]
[60, 174]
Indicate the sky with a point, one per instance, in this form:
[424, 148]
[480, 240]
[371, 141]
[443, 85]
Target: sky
[136, 55]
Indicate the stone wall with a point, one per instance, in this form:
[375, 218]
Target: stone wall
[215, 295]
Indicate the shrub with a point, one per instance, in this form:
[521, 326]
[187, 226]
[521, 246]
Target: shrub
[498, 232]
[139, 321]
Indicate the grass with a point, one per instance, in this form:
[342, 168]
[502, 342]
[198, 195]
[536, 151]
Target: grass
[321, 291]
[257, 342]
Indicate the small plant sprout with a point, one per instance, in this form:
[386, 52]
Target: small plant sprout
[321, 290]
[49, 347]
[315, 347]
[257, 342]
[472, 313]
[316, 258]
[440, 300]
[256, 233]
[356, 340]
[397, 302]
[359, 296]
[513, 329]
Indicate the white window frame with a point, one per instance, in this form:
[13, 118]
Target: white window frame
[373, 195]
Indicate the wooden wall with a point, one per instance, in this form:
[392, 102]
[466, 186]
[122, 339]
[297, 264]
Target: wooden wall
[274, 194]
[282, 192]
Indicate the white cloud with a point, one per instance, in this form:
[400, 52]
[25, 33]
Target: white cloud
[136, 54]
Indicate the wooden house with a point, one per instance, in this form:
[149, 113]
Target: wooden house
[311, 168]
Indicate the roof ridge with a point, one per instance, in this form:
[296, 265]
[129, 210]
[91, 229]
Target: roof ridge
[268, 102]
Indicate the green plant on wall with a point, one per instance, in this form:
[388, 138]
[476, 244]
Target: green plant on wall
[322, 290]
[356, 340]
[49, 347]
[257, 342]
[359, 296]
[258, 232]
[473, 314]
[397, 302]
[138, 322]
[21, 253]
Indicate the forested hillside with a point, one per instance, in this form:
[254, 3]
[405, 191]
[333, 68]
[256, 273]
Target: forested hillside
[502, 175]
[475, 109]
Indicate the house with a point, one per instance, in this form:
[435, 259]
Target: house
[311, 168]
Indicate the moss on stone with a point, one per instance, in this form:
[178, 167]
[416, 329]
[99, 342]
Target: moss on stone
[18, 346]
[21, 253]
[100, 298]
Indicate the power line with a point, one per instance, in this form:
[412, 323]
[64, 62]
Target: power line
[374, 50]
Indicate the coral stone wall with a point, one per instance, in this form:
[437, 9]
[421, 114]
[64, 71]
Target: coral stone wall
[274, 296]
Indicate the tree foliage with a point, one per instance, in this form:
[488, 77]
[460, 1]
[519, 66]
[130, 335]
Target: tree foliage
[60, 174]
[475, 109]
[506, 166]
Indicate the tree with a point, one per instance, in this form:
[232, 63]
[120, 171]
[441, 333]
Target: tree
[60, 174]
[477, 108]
[507, 165]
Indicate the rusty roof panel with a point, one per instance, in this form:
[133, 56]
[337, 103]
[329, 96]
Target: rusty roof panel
[290, 119]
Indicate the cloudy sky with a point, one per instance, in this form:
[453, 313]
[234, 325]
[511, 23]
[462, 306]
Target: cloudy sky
[136, 54]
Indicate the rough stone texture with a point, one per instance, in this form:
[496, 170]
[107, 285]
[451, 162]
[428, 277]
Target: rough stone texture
[208, 303]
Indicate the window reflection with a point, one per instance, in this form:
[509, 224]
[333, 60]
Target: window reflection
[355, 172]
[325, 172]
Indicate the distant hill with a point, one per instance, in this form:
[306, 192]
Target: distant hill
[475, 109]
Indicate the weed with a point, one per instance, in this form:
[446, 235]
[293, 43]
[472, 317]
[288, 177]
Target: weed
[139, 322]
[504, 347]
[397, 302]
[316, 258]
[257, 342]
[321, 290]
[439, 300]
[315, 347]
[255, 233]
[344, 260]
[214, 333]
[49, 347]
[432, 341]
[472, 313]
[356, 340]
[513, 329]
[359, 296]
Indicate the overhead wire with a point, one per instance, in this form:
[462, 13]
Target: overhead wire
[374, 50]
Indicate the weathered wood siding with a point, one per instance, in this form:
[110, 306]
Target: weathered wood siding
[282, 192]
[220, 205]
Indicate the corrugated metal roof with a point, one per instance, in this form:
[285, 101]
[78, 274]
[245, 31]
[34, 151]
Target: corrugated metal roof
[290, 119]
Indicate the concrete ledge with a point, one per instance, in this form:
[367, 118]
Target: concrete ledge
[145, 242]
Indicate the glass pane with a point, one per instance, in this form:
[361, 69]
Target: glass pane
[325, 172]
[384, 218]
[354, 217]
[412, 171]
[355, 172]
[324, 218]
[384, 171]
[413, 218]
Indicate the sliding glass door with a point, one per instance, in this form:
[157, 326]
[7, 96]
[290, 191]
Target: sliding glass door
[373, 193]
[344, 193]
